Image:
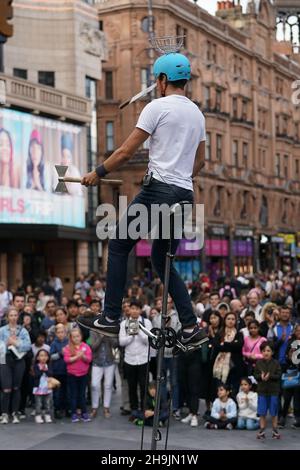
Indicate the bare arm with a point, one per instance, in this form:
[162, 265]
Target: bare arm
[120, 156]
[200, 159]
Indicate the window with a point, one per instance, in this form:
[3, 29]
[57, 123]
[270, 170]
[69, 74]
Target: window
[297, 167]
[110, 140]
[235, 107]
[286, 166]
[264, 120]
[259, 76]
[245, 154]
[279, 86]
[109, 92]
[264, 161]
[277, 165]
[20, 73]
[145, 77]
[219, 147]
[208, 146]
[235, 153]
[218, 99]
[277, 124]
[240, 67]
[46, 78]
[181, 31]
[211, 52]
[285, 125]
[100, 25]
[245, 110]
[235, 64]
[206, 97]
[90, 88]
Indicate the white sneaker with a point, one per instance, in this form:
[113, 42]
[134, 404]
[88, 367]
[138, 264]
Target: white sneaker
[38, 419]
[15, 418]
[4, 419]
[194, 421]
[187, 419]
[48, 419]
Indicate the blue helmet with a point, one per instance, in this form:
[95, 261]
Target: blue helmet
[174, 65]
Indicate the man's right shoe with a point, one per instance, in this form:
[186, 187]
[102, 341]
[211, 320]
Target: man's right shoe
[100, 324]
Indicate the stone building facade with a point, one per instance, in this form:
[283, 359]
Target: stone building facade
[242, 80]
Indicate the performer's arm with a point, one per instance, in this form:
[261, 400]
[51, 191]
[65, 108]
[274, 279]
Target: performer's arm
[120, 156]
[200, 159]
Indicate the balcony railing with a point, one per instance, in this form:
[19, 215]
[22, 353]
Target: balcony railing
[43, 99]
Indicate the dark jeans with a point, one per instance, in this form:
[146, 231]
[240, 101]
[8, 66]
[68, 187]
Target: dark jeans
[170, 364]
[220, 423]
[136, 376]
[288, 394]
[189, 377]
[11, 375]
[77, 387]
[61, 394]
[118, 251]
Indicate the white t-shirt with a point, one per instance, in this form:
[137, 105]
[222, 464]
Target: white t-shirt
[176, 126]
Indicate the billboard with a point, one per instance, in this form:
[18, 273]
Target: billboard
[30, 146]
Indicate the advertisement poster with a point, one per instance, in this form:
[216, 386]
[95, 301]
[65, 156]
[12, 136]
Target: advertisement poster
[30, 146]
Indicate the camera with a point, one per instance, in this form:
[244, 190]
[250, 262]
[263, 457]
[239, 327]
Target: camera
[133, 327]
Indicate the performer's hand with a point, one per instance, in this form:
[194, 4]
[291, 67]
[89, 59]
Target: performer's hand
[149, 413]
[90, 179]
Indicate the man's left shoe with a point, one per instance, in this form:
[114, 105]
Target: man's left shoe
[190, 340]
[100, 324]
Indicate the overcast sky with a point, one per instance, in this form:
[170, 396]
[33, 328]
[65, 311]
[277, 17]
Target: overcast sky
[211, 5]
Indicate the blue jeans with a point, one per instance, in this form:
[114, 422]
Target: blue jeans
[118, 251]
[247, 423]
[170, 364]
[77, 389]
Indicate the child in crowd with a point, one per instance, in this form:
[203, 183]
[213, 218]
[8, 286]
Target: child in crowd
[224, 413]
[247, 403]
[77, 356]
[40, 343]
[267, 373]
[43, 395]
[150, 407]
[59, 370]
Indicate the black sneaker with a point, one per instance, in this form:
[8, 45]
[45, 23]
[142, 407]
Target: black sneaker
[99, 324]
[193, 339]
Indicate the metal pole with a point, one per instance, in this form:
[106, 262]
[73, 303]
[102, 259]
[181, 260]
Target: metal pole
[161, 351]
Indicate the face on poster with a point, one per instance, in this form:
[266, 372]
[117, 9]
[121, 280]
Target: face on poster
[30, 147]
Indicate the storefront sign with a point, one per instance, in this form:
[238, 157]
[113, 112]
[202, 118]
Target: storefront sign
[288, 238]
[186, 248]
[218, 230]
[277, 240]
[244, 232]
[243, 248]
[216, 247]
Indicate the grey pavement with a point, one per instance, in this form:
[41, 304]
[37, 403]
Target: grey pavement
[117, 433]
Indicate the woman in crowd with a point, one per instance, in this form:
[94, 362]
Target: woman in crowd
[61, 317]
[14, 344]
[227, 360]
[268, 315]
[103, 365]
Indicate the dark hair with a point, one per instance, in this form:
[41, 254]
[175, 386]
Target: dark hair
[72, 302]
[152, 384]
[18, 294]
[31, 296]
[225, 386]
[95, 301]
[135, 303]
[30, 165]
[217, 314]
[285, 307]
[267, 344]
[50, 301]
[250, 313]
[246, 379]
[176, 83]
[38, 353]
[214, 292]
[253, 322]
[42, 333]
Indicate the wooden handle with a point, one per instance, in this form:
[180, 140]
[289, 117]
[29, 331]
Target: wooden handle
[69, 179]
[125, 103]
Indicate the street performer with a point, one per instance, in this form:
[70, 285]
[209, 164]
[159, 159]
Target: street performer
[176, 128]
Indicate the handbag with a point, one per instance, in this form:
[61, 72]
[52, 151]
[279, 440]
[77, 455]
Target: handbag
[290, 379]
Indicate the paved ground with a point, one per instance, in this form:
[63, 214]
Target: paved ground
[118, 433]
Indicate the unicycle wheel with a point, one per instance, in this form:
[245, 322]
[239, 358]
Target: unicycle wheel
[159, 341]
[170, 337]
